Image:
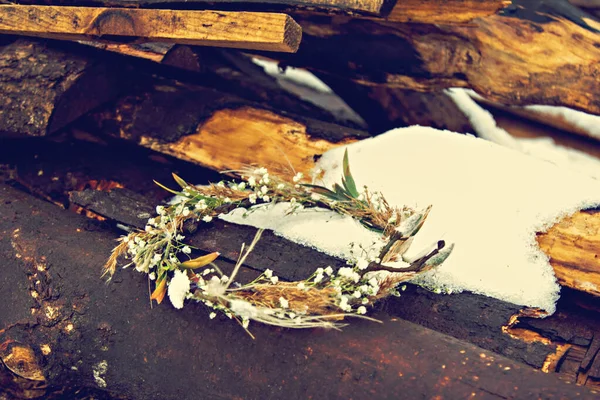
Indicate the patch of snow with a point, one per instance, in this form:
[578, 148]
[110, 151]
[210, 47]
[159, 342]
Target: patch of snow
[544, 148]
[297, 75]
[488, 200]
[588, 122]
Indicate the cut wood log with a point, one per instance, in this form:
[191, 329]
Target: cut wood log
[573, 245]
[558, 66]
[218, 130]
[86, 335]
[256, 31]
[47, 85]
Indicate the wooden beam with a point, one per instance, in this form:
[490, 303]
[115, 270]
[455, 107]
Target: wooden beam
[112, 339]
[256, 31]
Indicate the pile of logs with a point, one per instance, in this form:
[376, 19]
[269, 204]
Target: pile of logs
[93, 109]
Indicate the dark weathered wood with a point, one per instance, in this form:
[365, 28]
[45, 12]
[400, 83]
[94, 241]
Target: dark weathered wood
[542, 52]
[80, 323]
[245, 30]
[384, 108]
[234, 72]
[46, 85]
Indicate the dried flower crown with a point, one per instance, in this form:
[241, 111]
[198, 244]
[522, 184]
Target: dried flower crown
[322, 299]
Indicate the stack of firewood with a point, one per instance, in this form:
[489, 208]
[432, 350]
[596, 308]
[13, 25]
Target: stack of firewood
[105, 100]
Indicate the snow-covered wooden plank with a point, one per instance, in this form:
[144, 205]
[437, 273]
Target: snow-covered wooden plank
[256, 31]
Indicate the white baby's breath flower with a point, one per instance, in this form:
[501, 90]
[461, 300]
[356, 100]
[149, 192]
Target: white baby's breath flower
[274, 279]
[328, 271]
[260, 171]
[156, 258]
[179, 237]
[280, 186]
[160, 210]
[266, 199]
[207, 218]
[212, 315]
[152, 221]
[365, 300]
[344, 304]
[298, 177]
[179, 287]
[241, 186]
[268, 273]
[252, 181]
[264, 189]
[362, 264]
[356, 294]
[266, 179]
[152, 276]
[245, 323]
[301, 286]
[186, 250]
[362, 310]
[185, 212]
[283, 302]
[252, 198]
[318, 278]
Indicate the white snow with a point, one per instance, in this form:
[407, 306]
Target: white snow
[543, 148]
[488, 200]
[297, 75]
[588, 122]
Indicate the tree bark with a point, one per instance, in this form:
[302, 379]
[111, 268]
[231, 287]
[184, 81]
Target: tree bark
[47, 85]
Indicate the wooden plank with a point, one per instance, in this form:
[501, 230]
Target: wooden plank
[256, 31]
[113, 327]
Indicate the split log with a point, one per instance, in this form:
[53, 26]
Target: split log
[88, 335]
[557, 66]
[218, 130]
[47, 85]
[257, 31]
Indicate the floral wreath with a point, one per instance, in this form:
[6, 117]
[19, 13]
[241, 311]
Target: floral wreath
[321, 300]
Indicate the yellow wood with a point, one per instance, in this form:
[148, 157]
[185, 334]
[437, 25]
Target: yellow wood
[244, 30]
[232, 139]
